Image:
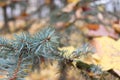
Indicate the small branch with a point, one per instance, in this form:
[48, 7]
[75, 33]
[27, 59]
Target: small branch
[14, 77]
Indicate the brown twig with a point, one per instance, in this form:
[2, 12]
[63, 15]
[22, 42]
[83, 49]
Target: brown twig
[14, 77]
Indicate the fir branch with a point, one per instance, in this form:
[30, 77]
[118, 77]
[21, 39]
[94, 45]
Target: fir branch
[23, 50]
[6, 44]
[14, 77]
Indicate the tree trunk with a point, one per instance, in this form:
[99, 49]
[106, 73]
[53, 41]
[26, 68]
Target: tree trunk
[6, 26]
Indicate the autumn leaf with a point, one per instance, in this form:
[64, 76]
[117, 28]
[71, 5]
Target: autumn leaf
[70, 6]
[101, 8]
[72, 1]
[2, 4]
[116, 26]
[103, 31]
[107, 53]
[62, 25]
[3, 76]
[85, 8]
[78, 13]
[100, 17]
[67, 51]
[48, 2]
[70, 49]
[93, 26]
[23, 15]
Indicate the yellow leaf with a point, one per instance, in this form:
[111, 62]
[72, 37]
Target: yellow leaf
[72, 1]
[107, 53]
[3, 76]
[68, 50]
[101, 8]
[70, 6]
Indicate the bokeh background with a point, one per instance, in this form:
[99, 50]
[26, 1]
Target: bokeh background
[77, 22]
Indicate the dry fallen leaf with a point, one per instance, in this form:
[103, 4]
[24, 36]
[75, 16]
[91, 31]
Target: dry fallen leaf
[48, 2]
[2, 77]
[72, 1]
[101, 8]
[68, 50]
[70, 6]
[78, 13]
[23, 15]
[107, 53]
[80, 24]
[93, 26]
[100, 16]
[103, 31]
[2, 4]
[61, 25]
[86, 7]
[116, 26]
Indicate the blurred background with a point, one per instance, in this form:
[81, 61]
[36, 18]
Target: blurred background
[18, 15]
[77, 22]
